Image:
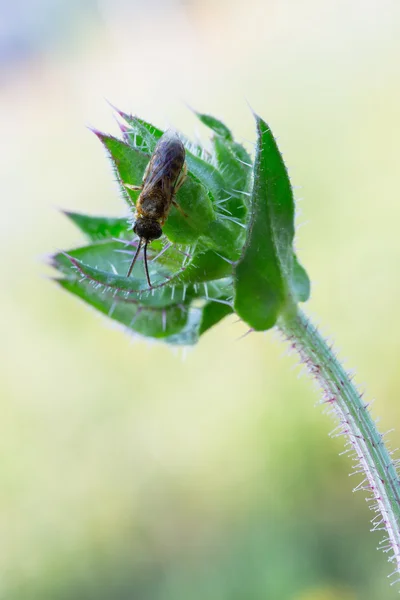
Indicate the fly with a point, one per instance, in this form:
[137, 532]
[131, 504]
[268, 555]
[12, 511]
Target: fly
[163, 177]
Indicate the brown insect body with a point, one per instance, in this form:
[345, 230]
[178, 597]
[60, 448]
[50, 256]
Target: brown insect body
[164, 175]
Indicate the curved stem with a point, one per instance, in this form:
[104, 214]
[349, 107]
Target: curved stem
[372, 456]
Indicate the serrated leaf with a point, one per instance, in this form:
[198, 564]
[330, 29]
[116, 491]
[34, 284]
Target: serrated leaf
[263, 274]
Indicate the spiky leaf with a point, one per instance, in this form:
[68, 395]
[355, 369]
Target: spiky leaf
[265, 282]
[216, 125]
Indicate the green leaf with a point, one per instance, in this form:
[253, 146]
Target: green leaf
[179, 323]
[264, 272]
[105, 254]
[129, 164]
[208, 175]
[220, 128]
[213, 313]
[206, 266]
[200, 320]
[141, 135]
[233, 163]
[99, 228]
[241, 154]
[226, 237]
[105, 265]
[236, 173]
[190, 333]
[236, 176]
[144, 136]
[135, 286]
[150, 321]
[193, 199]
[174, 271]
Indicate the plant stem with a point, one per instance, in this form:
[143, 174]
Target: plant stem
[355, 421]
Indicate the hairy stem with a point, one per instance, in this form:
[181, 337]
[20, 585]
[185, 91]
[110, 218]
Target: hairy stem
[355, 422]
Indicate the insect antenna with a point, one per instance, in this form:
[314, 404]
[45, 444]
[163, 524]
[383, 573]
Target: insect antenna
[135, 257]
[146, 267]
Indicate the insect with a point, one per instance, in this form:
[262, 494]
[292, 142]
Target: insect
[164, 175]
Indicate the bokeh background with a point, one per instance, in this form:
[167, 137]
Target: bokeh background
[127, 470]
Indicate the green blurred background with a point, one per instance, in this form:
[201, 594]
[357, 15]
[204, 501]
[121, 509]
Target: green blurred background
[128, 470]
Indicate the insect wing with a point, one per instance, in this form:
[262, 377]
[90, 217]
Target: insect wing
[166, 162]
